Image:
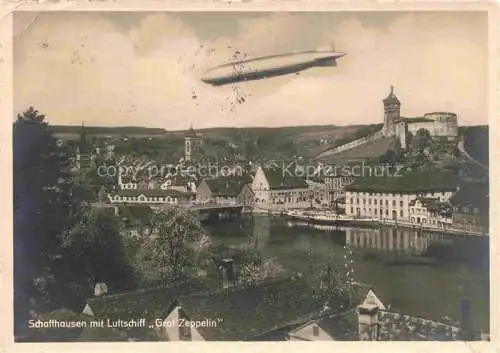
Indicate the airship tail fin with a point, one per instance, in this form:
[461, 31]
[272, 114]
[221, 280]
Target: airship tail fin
[328, 47]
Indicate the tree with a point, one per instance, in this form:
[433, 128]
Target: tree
[93, 251]
[250, 267]
[46, 201]
[422, 140]
[168, 251]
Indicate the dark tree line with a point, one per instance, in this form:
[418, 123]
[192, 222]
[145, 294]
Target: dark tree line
[61, 245]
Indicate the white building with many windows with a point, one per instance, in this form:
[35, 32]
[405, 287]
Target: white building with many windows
[148, 196]
[393, 205]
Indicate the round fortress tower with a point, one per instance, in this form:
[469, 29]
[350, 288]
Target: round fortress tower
[445, 124]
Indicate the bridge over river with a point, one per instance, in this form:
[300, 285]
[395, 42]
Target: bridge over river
[204, 212]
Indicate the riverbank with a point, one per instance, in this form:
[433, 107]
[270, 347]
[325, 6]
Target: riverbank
[316, 217]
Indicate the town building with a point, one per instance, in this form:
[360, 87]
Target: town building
[192, 144]
[180, 183]
[390, 197]
[274, 190]
[471, 207]
[430, 211]
[335, 188]
[318, 192]
[226, 190]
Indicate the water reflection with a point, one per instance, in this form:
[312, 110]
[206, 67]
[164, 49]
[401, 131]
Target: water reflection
[420, 272]
[441, 247]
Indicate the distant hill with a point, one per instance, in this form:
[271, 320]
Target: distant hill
[70, 131]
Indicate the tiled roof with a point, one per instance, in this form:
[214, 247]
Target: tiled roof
[391, 98]
[250, 313]
[227, 186]
[278, 179]
[148, 303]
[192, 134]
[411, 182]
[342, 327]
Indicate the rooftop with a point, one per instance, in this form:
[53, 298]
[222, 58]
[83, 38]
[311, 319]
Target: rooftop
[253, 312]
[191, 133]
[391, 98]
[413, 181]
[279, 180]
[227, 186]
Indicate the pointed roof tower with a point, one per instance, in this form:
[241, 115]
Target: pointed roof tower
[391, 98]
[83, 146]
[191, 133]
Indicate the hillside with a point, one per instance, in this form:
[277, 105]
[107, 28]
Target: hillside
[476, 142]
[372, 149]
[220, 143]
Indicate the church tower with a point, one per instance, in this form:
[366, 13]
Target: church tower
[192, 142]
[83, 151]
[392, 109]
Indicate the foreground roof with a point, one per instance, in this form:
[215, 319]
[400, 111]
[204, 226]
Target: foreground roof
[252, 312]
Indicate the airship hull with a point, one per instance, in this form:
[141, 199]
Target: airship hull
[270, 66]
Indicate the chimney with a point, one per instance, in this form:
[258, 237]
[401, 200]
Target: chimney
[100, 289]
[465, 320]
[228, 277]
[368, 326]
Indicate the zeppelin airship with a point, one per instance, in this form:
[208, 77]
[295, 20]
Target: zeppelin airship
[270, 66]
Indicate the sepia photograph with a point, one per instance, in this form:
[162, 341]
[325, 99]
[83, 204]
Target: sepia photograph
[251, 176]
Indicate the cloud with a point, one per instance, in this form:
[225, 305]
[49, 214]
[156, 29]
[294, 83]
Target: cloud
[82, 67]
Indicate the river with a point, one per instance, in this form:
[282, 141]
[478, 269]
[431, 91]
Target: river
[419, 273]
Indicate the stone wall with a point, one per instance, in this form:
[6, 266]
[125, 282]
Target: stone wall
[359, 142]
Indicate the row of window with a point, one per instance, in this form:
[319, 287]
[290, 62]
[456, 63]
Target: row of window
[289, 200]
[376, 211]
[141, 198]
[378, 194]
[375, 202]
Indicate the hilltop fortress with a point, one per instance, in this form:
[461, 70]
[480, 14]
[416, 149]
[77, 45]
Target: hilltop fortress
[442, 126]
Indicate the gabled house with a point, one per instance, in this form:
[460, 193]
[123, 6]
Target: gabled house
[430, 211]
[274, 189]
[226, 190]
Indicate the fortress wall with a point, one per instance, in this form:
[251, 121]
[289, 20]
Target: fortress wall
[356, 143]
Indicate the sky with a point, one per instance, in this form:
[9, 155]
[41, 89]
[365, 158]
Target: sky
[144, 69]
